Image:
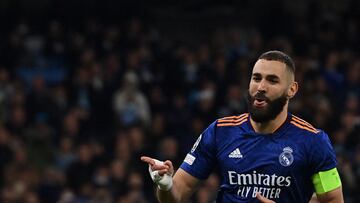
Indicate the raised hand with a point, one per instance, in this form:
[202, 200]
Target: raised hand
[160, 172]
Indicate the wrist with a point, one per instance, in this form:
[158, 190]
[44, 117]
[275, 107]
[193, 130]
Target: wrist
[165, 183]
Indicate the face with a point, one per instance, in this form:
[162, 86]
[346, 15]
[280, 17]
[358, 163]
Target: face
[270, 88]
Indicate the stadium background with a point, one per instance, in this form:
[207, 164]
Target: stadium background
[86, 87]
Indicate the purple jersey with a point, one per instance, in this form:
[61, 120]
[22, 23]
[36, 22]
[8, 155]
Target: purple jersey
[278, 165]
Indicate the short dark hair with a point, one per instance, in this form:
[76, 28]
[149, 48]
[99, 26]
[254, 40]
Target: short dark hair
[275, 55]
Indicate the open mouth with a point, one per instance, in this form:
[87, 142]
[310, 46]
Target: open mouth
[260, 102]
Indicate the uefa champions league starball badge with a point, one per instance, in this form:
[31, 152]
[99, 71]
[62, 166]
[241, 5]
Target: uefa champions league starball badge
[286, 158]
[196, 144]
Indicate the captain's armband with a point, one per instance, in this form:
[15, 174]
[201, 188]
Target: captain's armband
[326, 181]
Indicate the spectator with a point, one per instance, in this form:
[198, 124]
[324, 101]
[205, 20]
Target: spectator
[130, 104]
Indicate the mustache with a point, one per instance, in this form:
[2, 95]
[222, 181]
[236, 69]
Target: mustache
[261, 96]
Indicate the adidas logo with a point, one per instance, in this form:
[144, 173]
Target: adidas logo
[236, 154]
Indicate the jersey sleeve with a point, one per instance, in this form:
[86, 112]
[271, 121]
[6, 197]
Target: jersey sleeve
[199, 162]
[322, 155]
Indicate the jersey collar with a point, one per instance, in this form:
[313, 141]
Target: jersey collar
[280, 130]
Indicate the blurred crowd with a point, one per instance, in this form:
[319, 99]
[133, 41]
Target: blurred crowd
[80, 105]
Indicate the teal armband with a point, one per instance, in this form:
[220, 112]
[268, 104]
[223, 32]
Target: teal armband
[325, 181]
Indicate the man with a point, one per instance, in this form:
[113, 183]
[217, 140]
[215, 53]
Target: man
[266, 155]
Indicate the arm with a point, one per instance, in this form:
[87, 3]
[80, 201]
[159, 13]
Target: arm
[326, 179]
[327, 186]
[334, 196]
[314, 199]
[184, 186]
[197, 166]
[171, 189]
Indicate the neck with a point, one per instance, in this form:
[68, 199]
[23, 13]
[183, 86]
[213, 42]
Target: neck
[270, 126]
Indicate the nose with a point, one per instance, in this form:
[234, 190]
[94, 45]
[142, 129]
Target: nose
[262, 86]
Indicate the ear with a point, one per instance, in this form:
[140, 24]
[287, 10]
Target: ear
[292, 90]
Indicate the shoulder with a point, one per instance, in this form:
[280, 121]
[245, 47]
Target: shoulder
[232, 121]
[316, 140]
[303, 126]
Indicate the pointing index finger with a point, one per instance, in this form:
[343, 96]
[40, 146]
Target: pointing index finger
[148, 160]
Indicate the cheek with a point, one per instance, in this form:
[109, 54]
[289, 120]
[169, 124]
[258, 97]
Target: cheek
[252, 88]
[280, 92]
[275, 92]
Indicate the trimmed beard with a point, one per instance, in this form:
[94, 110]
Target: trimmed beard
[273, 108]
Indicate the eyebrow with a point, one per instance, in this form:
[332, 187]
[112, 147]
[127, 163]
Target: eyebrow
[271, 76]
[256, 74]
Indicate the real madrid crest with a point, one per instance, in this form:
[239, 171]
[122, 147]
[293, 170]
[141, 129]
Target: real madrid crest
[286, 158]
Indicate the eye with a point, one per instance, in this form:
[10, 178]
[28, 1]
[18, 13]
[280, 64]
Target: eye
[256, 78]
[273, 81]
